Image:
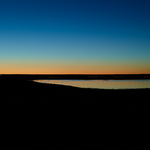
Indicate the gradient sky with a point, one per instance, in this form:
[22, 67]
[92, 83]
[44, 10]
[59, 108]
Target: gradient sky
[74, 36]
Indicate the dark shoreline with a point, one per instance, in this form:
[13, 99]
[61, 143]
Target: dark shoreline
[77, 76]
[49, 116]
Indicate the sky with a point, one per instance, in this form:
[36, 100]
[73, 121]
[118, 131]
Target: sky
[74, 37]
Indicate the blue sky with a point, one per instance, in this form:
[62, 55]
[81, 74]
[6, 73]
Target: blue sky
[75, 36]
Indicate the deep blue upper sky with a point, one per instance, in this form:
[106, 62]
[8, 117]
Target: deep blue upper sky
[92, 32]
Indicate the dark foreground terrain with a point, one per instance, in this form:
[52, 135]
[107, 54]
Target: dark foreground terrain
[36, 115]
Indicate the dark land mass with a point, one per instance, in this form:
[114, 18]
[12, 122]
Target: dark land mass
[35, 115]
[77, 76]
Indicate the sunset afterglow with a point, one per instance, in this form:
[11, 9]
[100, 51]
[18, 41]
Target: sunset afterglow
[74, 37]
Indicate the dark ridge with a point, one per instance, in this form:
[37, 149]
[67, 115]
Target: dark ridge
[46, 116]
[76, 76]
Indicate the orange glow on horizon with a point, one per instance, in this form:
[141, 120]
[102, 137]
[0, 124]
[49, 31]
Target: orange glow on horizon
[73, 70]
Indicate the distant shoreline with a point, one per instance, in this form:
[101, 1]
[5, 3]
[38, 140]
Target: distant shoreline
[77, 76]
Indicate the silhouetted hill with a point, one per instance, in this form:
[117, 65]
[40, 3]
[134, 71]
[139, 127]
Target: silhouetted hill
[75, 76]
[36, 115]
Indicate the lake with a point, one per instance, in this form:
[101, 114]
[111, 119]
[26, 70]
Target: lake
[101, 84]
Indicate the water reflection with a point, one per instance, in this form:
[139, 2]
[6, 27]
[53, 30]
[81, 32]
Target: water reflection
[102, 84]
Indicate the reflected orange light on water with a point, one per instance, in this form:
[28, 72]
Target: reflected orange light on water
[101, 84]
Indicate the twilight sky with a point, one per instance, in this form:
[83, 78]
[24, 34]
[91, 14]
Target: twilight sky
[74, 36]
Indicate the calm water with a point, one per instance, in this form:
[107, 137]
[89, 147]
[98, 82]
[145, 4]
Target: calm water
[102, 84]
